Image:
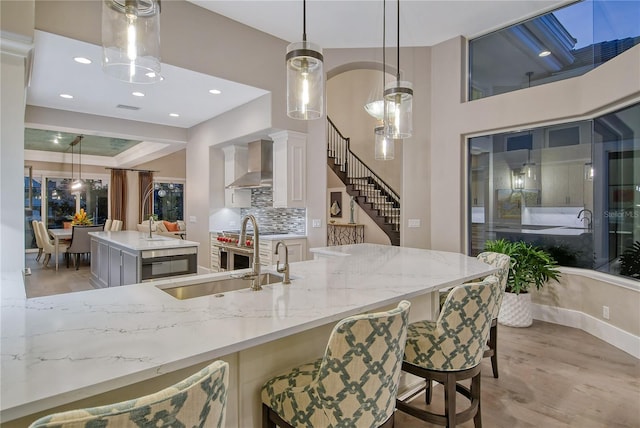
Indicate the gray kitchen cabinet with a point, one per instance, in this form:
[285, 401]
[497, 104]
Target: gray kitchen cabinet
[123, 267]
[215, 253]
[99, 264]
[289, 169]
[235, 165]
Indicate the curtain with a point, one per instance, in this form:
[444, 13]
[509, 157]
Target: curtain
[119, 196]
[145, 190]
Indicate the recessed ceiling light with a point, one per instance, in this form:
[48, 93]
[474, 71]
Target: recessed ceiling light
[82, 60]
[67, 96]
[137, 94]
[174, 115]
[55, 141]
[544, 53]
[215, 91]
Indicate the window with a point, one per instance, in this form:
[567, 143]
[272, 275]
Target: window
[573, 189]
[565, 43]
[168, 201]
[62, 203]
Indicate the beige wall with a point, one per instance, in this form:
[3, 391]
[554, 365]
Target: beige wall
[17, 17]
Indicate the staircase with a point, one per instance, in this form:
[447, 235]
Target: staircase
[370, 191]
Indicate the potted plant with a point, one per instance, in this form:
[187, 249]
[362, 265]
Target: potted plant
[530, 267]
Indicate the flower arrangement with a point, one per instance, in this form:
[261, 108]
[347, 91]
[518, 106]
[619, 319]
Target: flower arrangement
[81, 218]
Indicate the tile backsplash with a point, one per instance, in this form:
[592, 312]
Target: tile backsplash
[292, 220]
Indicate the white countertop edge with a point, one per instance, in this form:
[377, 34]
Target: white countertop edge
[328, 252]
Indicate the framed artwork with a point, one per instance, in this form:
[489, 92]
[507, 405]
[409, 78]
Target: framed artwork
[335, 204]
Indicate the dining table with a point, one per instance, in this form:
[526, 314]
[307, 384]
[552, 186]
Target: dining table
[57, 235]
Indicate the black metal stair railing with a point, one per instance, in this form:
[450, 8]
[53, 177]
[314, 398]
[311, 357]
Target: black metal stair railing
[371, 191]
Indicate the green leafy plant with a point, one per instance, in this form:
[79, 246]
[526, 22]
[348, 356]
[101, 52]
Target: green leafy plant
[630, 261]
[531, 266]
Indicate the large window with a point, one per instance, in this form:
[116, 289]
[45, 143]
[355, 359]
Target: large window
[565, 43]
[572, 188]
[168, 201]
[62, 202]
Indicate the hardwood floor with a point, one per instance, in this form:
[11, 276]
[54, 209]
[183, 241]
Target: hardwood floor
[550, 375]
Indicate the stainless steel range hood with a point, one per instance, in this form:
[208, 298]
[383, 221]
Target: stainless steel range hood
[260, 161]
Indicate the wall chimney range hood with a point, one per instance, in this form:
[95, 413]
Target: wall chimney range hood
[260, 165]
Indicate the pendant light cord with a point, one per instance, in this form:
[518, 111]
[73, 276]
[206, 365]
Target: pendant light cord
[398, 53]
[304, 20]
[384, 36]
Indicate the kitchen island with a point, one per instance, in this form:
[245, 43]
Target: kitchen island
[130, 257]
[100, 346]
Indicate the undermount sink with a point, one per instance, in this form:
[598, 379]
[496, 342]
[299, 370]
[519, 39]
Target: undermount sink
[218, 286]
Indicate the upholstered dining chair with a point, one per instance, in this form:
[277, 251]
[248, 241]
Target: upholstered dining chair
[198, 401]
[116, 225]
[450, 350]
[354, 384]
[48, 244]
[81, 242]
[107, 224]
[36, 233]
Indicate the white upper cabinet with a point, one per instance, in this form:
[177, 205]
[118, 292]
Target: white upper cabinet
[289, 169]
[235, 165]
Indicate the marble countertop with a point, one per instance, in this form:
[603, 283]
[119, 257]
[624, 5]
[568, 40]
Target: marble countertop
[139, 241]
[60, 348]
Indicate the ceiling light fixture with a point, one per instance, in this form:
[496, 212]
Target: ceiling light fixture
[131, 40]
[384, 146]
[544, 53]
[305, 77]
[174, 115]
[66, 96]
[137, 94]
[82, 60]
[399, 101]
[215, 91]
[78, 183]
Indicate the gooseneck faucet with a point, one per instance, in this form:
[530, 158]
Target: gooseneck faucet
[285, 268]
[589, 219]
[254, 275]
[150, 226]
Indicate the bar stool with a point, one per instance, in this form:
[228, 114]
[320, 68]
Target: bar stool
[353, 385]
[450, 350]
[199, 400]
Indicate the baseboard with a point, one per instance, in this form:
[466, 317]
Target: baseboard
[612, 335]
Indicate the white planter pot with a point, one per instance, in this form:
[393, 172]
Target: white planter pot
[516, 310]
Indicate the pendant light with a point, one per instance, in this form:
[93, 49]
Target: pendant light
[131, 40]
[305, 77]
[384, 143]
[399, 96]
[78, 183]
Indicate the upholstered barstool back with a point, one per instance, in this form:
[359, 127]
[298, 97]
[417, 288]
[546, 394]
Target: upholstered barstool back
[451, 349]
[199, 400]
[354, 385]
[503, 263]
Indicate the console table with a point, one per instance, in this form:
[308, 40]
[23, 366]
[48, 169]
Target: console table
[345, 233]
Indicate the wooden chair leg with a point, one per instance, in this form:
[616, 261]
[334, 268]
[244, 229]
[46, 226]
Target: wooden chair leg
[493, 345]
[39, 254]
[428, 392]
[450, 401]
[46, 259]
[475, 395]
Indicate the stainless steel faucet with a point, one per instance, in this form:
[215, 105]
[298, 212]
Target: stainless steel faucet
[285, 268]
[150, 226]
[254, 275]
[589, 219]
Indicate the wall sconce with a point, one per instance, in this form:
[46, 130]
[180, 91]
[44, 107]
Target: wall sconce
[517, 179]
[588, 171]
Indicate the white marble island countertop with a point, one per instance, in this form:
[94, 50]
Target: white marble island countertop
[60, 348]
[139, 241]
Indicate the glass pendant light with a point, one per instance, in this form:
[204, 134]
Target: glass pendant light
[398, 97]
[305, 77]
[131, 40]
[77, 184]
[384, 144]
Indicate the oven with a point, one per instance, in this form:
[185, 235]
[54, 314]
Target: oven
[233, 258]
[156, 264]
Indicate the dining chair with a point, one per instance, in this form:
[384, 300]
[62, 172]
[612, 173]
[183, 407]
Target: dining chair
[81, 242]
[354, 384]
[116, 225]
[107, 225]
[450, 350]
[36, 233]
[48, 244]
[200, 400]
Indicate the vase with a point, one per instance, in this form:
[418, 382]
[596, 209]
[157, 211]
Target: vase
[516, 310]
[67, 224]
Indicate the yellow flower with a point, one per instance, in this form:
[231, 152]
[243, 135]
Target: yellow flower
[81, 218]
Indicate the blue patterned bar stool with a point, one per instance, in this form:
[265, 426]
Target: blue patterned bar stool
[450, 349]
[354, 385]
[199, 400]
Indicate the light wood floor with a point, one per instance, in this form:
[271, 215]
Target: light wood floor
[550, 375]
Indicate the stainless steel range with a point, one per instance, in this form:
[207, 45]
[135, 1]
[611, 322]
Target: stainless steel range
[231, 255]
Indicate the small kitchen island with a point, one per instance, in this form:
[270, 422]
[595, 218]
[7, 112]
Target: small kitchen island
[130, 257]
[102, 346]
